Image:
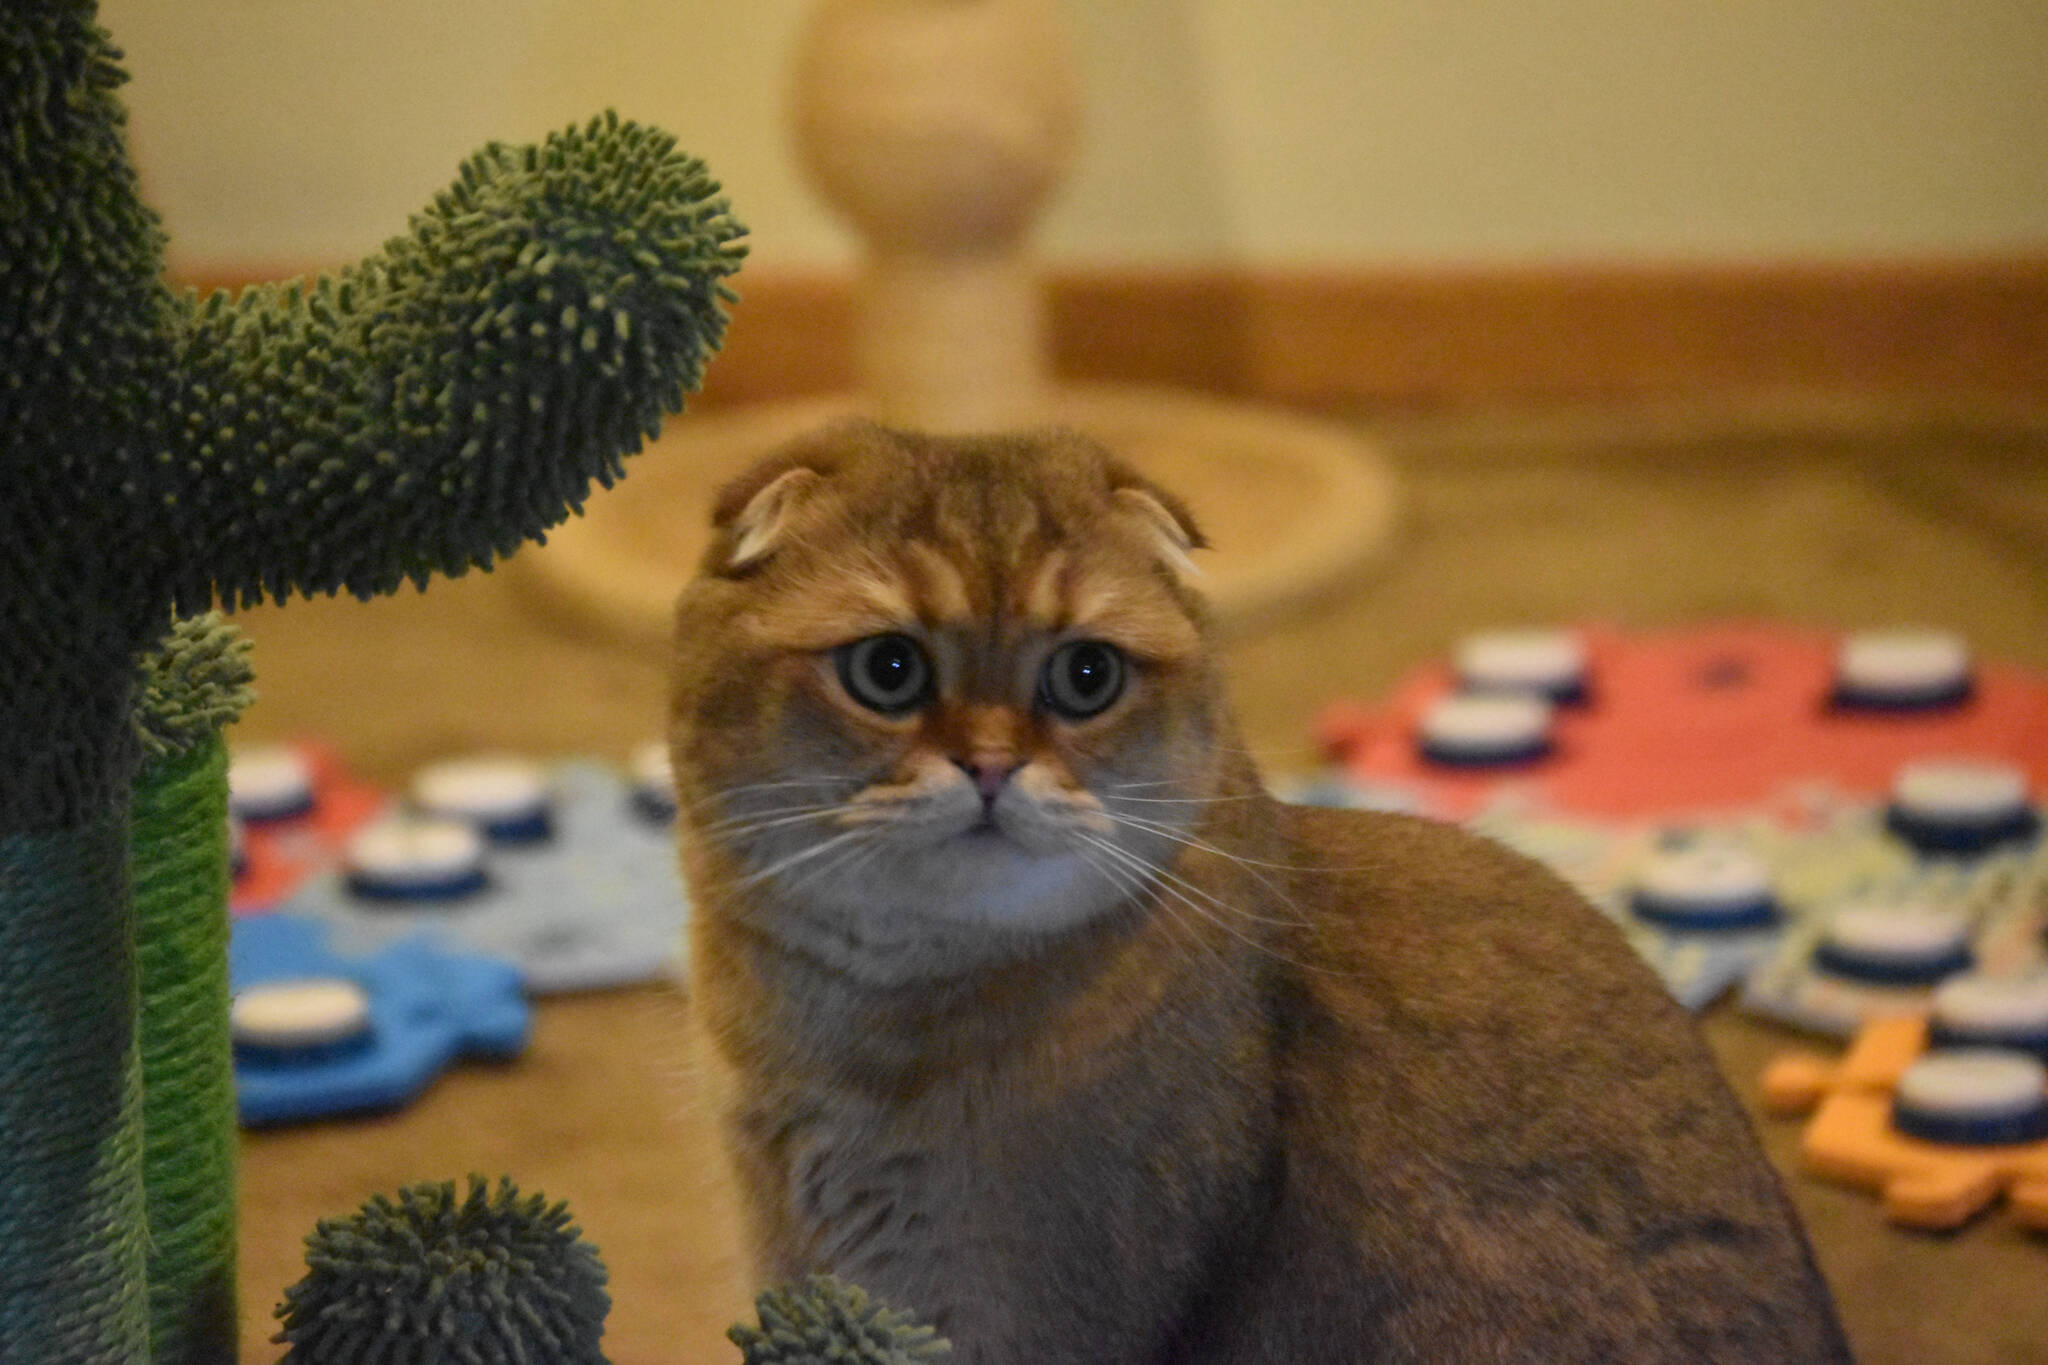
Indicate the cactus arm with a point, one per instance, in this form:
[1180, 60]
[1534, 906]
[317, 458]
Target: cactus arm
[432, 408]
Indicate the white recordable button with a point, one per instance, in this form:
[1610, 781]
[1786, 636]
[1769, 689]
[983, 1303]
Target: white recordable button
[1977, 1009]
[1960, 806]
[506, 798]
[1484, 728]
[409, 858]
[1973, 1095]
[1705, 886]
[267, 784]
[1903, 670]
[297, 1015]
[1895, 945]
[654, 781]
[1549, 663]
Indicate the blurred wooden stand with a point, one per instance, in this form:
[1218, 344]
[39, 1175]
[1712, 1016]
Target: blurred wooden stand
[938, 127]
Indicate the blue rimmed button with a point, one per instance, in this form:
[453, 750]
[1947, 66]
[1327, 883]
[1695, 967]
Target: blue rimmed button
[307, 1019]
[1973, 1096]
[1961, 806]
[407, 858]
[1548, 663]
[1485, 729]
[1704, 886]
[1902, 670]
[507, 799]
[269, 784]
[1980, 1010]
[653, 782]
[1895, 945]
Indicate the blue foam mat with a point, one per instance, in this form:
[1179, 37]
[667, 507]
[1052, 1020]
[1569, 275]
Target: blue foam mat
[429, 1007]
[600, 904]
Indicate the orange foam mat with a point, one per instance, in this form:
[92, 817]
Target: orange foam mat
[1850, 1137]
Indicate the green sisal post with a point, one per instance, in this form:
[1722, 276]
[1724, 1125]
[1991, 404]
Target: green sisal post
[194, 684]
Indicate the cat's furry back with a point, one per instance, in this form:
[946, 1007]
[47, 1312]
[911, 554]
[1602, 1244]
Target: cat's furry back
[1027, 1010]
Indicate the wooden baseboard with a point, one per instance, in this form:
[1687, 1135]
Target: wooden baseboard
[1339, 338]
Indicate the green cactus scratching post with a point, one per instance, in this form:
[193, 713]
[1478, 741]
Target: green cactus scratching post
[825, 1321]
[197, 682]
[487, 1279]
[424, 412]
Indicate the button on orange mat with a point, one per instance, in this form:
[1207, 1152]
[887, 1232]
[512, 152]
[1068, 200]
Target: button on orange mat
[1850, 1137]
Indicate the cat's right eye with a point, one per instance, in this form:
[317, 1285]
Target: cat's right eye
[885, 673]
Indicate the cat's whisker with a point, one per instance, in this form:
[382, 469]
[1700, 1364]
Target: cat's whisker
[720, 805]
[846, 862]
[1250, 865]
[801, 856]
[726, 794]
[1301, 922]
[1271, 753]
[1132, 885]
[1216, 912]
[1245, 860]
[742, 826]
[1189, 800]
[752, 813]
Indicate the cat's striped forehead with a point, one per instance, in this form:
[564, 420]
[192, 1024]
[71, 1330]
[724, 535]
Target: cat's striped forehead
[995, 537]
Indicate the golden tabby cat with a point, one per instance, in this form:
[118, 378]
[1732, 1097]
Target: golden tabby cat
[1027, 1010]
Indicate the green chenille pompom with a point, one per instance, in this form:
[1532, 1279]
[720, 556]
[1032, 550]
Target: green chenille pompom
[434, 1277]
[195, 682]
[825, 1321]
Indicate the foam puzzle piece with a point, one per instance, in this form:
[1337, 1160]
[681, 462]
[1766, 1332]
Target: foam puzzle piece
[599, 904]
[281, 855]
[1850, 1137]
[428, 1007]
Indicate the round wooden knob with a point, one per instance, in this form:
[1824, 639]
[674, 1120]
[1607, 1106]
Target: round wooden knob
[937, 126]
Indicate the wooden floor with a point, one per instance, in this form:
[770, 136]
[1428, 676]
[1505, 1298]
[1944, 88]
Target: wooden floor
[1828, 515]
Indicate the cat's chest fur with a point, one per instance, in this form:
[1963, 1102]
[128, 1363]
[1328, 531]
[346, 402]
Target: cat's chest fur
[1007, 1192]
[920, 1207]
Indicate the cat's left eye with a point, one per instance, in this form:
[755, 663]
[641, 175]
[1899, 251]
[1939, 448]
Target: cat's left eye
[1082, 679]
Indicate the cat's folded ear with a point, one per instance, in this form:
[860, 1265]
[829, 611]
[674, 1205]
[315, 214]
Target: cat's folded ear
[753, 512]
[756, 511]
[1163, 517]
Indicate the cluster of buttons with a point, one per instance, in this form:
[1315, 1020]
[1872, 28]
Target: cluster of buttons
[1831, 824]
[488, 871]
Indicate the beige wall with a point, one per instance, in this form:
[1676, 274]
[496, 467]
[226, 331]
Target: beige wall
[1273, 131]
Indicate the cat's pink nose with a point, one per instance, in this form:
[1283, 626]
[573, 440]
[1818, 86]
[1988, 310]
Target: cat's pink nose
[988, 775]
